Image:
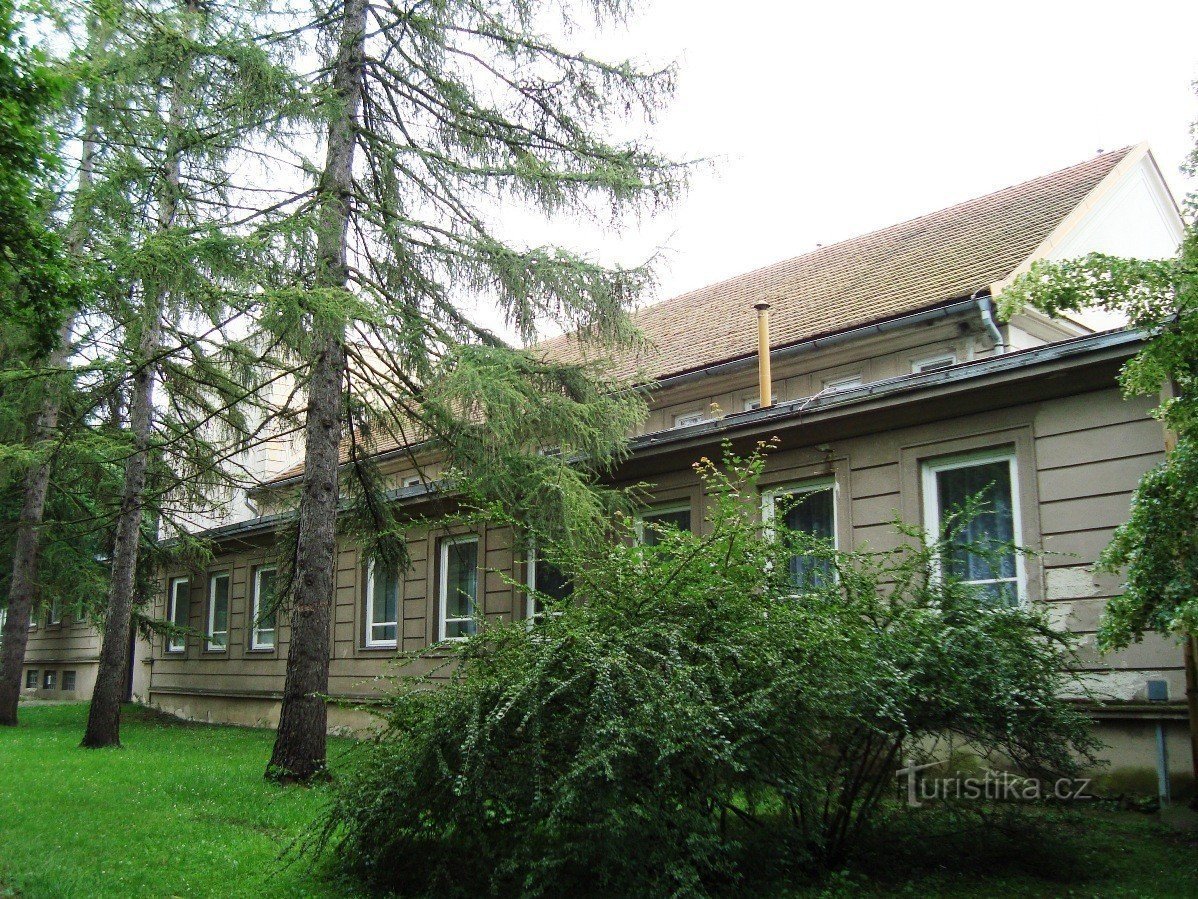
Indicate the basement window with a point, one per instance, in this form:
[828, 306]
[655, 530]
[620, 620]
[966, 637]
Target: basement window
[382, 608]
[48, 680]
[218, 612]
[31, 679]
[68, 680]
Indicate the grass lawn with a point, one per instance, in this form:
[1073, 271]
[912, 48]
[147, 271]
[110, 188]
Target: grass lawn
[183, 810]
[180, 810]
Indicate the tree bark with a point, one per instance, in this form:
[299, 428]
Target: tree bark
[104, 715]
[300, 744]
[25, 557]
[23, 587]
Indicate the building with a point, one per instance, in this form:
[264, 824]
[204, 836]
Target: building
[894, 388]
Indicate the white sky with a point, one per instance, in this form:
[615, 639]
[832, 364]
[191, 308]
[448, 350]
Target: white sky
[833, 119]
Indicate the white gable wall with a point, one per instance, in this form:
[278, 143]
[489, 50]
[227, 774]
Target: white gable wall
[1136, 218]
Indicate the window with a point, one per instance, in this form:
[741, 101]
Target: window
[947, 484]
[262, 630]
[54, 613]
[754, 402]
[68, 680]
[834, 384]
[382, 607]
[934, 363]
[547, 579]
[218, 612]
[31, 679]
[177, 602]
[808, 509]
[650, 524]
[458, 587]
[686, 419]
[413, 481]
[48, 680]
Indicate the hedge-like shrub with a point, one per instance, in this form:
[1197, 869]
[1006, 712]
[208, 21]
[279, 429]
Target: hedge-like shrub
[687, 702]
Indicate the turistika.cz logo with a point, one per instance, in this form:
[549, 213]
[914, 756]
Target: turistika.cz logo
[993, 786]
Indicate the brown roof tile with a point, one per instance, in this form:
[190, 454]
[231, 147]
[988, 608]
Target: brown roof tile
[919, 263]
[914, 265]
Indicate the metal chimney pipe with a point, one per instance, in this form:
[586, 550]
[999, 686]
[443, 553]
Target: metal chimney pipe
[765, 380]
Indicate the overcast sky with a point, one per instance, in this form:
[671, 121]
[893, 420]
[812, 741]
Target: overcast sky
[833, 119]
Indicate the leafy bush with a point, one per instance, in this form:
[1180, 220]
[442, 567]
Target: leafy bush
[688, 703]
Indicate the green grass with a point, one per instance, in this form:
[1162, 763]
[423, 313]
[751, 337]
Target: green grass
[180, 810]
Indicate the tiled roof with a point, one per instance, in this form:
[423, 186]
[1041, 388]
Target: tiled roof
[914, 265]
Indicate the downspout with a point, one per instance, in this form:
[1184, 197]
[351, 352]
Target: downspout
[986, 308]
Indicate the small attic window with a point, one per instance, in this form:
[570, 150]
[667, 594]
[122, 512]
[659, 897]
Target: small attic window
[834, 384]
[686, 419]
[934, 363]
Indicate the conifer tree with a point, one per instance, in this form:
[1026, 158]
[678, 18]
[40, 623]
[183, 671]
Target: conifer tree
[188, 88]
[37, 288]
[439, 116]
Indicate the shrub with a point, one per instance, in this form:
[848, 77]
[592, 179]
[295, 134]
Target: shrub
[688, 702]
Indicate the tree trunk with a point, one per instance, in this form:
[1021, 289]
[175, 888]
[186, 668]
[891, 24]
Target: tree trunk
[24, 568]
[23, 587]
[104, 716]
[299, 751]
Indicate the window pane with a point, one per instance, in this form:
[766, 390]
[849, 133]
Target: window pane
[812, 513]
[993, 529]
[654, 521]
[461, 587]
[384, 605]
[220, 612]
[267, 613]
[551, 581]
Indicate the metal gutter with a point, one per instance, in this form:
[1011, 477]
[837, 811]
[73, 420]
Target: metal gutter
[1116, 343]
[734, 365]
[819, 343]
[1048, 353]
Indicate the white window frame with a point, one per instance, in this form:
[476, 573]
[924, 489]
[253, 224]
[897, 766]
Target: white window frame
[769, 504]
[172, 608]
[688, 419]
[256, 632]
[54, 613]
[753, 403]
[209, 633]
[769, 501]
[49, 679]
[939, 362]
[530, 580]
[443, 622]
[639, 521]
[369, 640]
[844, 382]
[931, 508]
